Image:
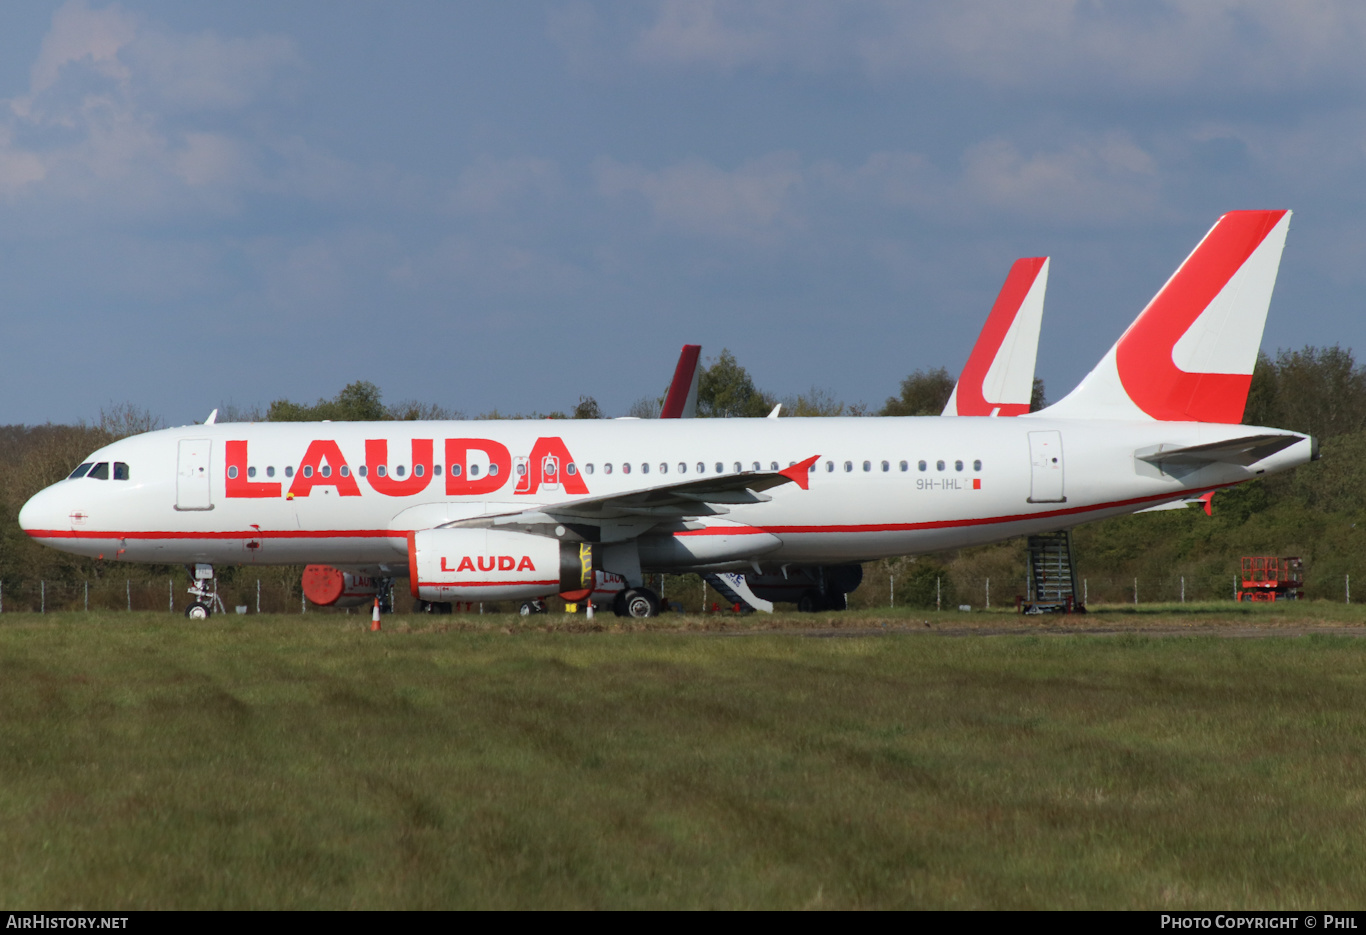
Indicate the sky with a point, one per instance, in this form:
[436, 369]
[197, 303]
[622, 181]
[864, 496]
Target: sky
[509, 206]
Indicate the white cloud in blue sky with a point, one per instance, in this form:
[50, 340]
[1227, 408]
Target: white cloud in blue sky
[508, 205]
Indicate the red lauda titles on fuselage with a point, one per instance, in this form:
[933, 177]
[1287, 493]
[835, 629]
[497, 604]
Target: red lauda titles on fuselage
[489, 563]
[323, 465]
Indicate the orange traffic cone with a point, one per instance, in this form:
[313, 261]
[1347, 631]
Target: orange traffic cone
[374, 618]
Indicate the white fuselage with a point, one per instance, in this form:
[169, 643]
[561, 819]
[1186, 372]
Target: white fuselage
[984, 479]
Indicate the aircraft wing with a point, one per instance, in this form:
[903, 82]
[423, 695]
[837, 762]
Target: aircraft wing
[641, 509]
[1244, 451]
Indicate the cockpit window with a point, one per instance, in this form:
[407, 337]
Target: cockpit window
[100, 471]
[120, 471]
[80, 471]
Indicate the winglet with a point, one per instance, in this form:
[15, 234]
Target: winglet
[1208, 500]
[681, 403]
[213, 417]
[801, 473]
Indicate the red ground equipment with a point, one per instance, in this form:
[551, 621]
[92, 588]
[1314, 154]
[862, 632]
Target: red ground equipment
[1268, 578]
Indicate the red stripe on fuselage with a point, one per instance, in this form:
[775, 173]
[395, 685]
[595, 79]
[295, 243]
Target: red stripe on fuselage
[709, 531]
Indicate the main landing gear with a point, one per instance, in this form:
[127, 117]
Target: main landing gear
[205, 591]
[636, 602]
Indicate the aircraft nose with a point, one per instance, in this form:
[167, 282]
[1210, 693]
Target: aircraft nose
[42, 511]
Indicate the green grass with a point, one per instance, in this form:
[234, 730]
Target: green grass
[302, 762]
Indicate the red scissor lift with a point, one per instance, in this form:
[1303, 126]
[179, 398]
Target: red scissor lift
[1268, 578]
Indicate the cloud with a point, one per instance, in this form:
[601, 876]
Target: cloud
[490, 185]
[754, 202]
[1075, 48]
[129, 120]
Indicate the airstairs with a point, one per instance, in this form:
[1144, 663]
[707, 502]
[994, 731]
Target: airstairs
[1052, 576]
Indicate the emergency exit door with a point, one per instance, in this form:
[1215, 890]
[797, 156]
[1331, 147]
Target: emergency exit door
[1046, 468]
[192, 475]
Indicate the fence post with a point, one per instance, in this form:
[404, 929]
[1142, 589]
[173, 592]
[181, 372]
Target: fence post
[1183, 589]
[891, 591]
[87, 595]
[170, 594]
[42, 597]
[1085, 591]
[1349, 589]
[938, 605]
[258, 595]
[1135, 592]
[988, 594]
[128, 587]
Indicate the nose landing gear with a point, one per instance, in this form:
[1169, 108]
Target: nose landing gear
[204, 588]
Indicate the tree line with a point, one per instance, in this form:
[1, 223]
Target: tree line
[1312, 512]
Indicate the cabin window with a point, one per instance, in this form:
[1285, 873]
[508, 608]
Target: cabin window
[626, 467]
[922, 465]
[344, 470]
[120, 471]
[588, 468]
[773, 465]
[436, 470]
[829, 466]
[848, 466]
[664, 467]
[251, 472]
[325, 470]
[419, 470]
[812, 469]
[381, 470]
[455, 470]
[80, 471]
[521, 470]
[607, 468]
[289, 470]
[308, 470]
[738, 467]
[720, 468]
[939, 465]
[400, 470]
[682, 468]
[958, 465]
[645, 469]
[905, 467]
[977, 465]
[886, 467]
[493, 470]
[867, 466]
[571, 469]
[701, 468]
[474, 470]
[360, 470]
[232, 471]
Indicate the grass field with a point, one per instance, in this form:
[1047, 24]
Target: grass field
[301, 762]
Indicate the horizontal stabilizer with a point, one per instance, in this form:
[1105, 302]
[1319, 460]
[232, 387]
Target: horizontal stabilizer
[1244, 451]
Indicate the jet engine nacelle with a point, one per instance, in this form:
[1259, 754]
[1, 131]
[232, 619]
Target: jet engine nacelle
[329, 587]
[494, 565]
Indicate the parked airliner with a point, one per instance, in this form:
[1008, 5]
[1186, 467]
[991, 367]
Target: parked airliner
[487, 511]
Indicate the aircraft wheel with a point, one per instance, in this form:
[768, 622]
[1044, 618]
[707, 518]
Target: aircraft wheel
[527, 609]
[197, 611]
[808, 603]
[641, 602]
